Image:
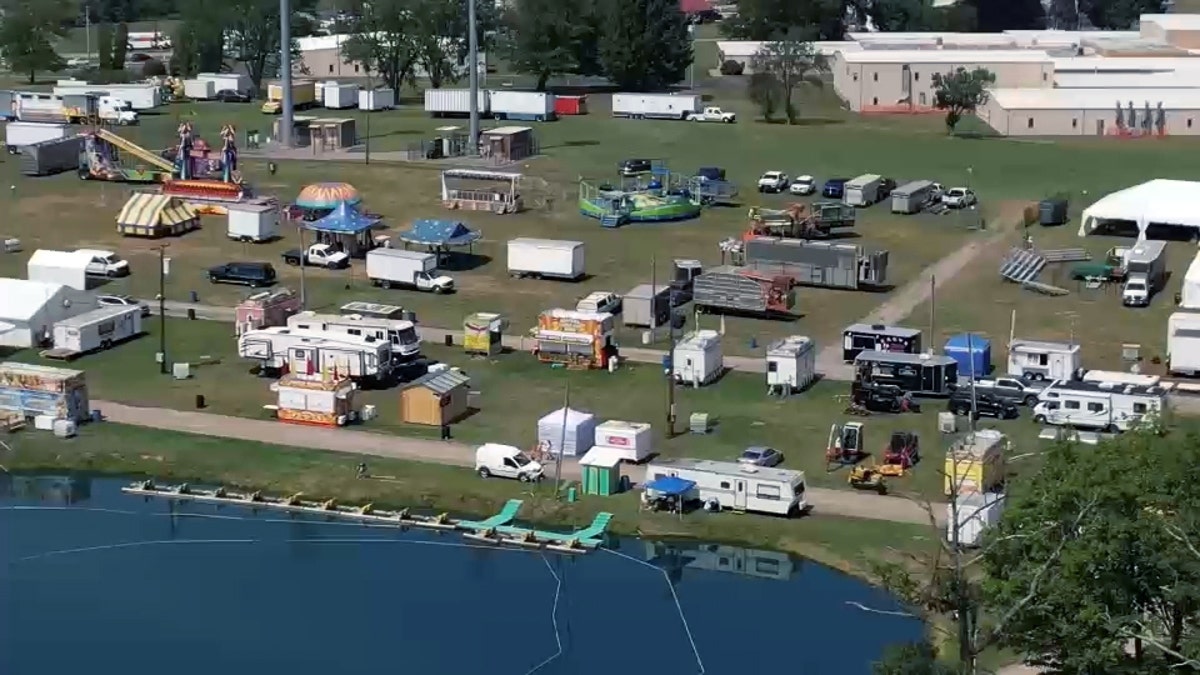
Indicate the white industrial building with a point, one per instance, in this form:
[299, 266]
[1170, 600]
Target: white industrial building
[1093, 112]
[1159, 202]
[33, 307]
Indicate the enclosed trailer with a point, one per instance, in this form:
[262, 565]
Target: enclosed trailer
[535, 106]
[861, 337]
[1053, 212]
[140, 96]
[336, 95]
[633, 439]
[567, 432]
[973, 353]
[864, 190]
[51, 157]
[570, 105]
[974, 512]
[655, 106]
[199, 90]
[545, 258]
[646, 306]
[1041, 360]
[918, 374]
[1190, 293]
[697, 358]
[33, 390]
[98, 329]
[1183, 343]
[376, 99]
[791, 364]
[818, 263]
[727, 288]
[912, 197]
[975, 463]
[737, 486]
[239, 82]
[19, 134]
[455, 102]
[253, 222]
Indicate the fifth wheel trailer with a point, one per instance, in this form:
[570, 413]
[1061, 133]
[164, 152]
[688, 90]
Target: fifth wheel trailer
[655, 106]
[818, 263]
[98, 329]
[281, 349]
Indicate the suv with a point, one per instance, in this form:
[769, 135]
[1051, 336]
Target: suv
[252, 274]
[835, 188]
[635, 167]
[773, 181]
[1014, 389]
[985, 403]
[599, 302]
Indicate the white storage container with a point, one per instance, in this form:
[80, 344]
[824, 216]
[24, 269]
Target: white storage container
[697, 359]
[44, 422]
[239, 82]
[338, 96]
[443, 102]
[253, 222]
[791, 364]
[64, 428]
[19, 134]
[537, 106]
[633, 439]
[545, 258]
[200, 90]
[977, 511]
[376, 99]
[579, 437]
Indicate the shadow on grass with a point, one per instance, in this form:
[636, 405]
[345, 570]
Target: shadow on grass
[803, 121]
[464, 262]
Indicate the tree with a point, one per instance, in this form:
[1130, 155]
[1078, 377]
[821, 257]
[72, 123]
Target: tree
[645, 45]
[252, 27]
[911, 659]
[104, 45]
[962, 91]
[792, 62]
[904, 15]
[381, 40]
[1063, 15]
[120, 46]
[541, 38]
[184, 55]
[764, 20]
[1119, 14]
[764, 90]
[999, 15]
[585, 46]
[28, 32]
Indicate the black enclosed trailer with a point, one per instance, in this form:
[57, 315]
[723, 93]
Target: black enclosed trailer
[862, 337]
[917, 374]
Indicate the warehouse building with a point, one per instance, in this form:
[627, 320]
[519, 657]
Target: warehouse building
[322, 57]
[1126, 113]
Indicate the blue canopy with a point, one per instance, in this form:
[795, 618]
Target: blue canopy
[671, 486]
[345, 219]
[428, 232]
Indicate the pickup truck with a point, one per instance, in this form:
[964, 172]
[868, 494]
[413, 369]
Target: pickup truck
[773, 181]
[317, 255]
[711, 114]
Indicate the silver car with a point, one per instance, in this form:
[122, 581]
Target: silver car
[122, 301]
[760, 456]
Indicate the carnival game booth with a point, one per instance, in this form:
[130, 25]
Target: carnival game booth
[324, 401]
[575, 339]
[478, 190]
[346, 228]
[154, 215]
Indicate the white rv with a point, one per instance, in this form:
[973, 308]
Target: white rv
[401, 333]
[697, 358]
[1183, 343]
[737, 486]
[278, 348]
[1105, 406]
[1040, 360]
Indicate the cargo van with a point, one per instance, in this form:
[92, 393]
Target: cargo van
[506, 461]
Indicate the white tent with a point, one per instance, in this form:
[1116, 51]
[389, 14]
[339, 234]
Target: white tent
[1158, 202]
[575, 438]
[31, 308]
[68, 268]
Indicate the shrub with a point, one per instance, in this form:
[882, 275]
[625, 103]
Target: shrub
[731, 67]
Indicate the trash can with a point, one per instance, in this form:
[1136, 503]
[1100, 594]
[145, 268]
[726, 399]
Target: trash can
[571, 495]
[200, 403]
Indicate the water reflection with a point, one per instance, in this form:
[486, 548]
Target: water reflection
[60, 490]
[675, 557]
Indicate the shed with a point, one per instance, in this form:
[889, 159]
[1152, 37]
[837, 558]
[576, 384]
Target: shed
[508, 144]
[600, 472]
[153, 215]
[483, 333]
[972, 352]
[435, 399]
[68, 268]
[331, 134]
[33, 307]
[572, 431]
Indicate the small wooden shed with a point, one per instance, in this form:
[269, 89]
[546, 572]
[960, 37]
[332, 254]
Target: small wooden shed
[600, 470]
[435, 399]
[507, 144]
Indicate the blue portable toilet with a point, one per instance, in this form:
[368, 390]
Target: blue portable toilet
[972, 352]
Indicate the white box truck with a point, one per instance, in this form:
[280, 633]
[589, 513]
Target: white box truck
[19, 134]
[454, 102]
[392, 267]
[656, 106]
[545, 258]
[253, 222]
[864, 190]
[98, 329]
[1145, 273]
[199, 90]
[536, 106]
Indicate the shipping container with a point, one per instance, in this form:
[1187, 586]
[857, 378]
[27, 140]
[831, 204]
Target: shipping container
[545, 258]
[655, 106]
[818, 263]
[455, 102]
[51, 157]
[570, 105]
[33, 390]
[534, 106]
[376, 99]
[733, 289]
[199, 90]
[647, 306]
[19, 134]
[98, 329]
[337, 96]
[912, 197]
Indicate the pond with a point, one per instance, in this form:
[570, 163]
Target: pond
[97, 580]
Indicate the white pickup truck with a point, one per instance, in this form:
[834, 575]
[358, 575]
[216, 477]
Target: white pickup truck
[773, 181]
[317, 255]
[712, 114]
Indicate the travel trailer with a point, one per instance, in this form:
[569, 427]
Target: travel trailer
[1044, 360]
[1104, 406]
[697, 358]
[736, 486]
[279, 349]
[401, 333]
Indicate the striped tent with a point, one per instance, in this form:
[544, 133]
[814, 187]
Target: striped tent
[154, 215]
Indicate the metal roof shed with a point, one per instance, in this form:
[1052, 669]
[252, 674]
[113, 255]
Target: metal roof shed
[435, 399]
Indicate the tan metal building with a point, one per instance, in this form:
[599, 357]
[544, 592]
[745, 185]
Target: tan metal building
[901, 81]
[1177, 30]
[1093, 112]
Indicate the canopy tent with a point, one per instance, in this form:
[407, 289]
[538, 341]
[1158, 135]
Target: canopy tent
[327, 196]
[344, 219]
[439, 235]
[670, 486]
[1157, 202]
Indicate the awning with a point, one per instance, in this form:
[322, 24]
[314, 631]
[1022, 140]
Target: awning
[671, 486]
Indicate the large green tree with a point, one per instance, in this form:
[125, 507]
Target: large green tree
[792, 62]
[381, 39]
[961, 92]
[120, 46]
[28, 32]
[1119, 14]
[252, 29]
[763, 20]
[541, 36]
[645, 45]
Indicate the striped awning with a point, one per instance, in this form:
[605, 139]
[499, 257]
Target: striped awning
[151, 210]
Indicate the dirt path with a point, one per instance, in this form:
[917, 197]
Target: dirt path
[824, 501]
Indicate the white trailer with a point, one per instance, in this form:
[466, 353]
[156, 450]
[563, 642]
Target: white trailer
[98, 329]
[737, 486]
[911, 197]
[975, 512]
[140, 96]
[278, 349]
[656, 106]
[19, 134]
[199, 90]
[545, 258]
[1183, 343]
[1190, 293]
[1120, 377]
[633, 441]
[68, 268]
[253, 222]
[791, 365]
[455, 102]
[389, 267]
[239, 82]
[1101, 406]
[863, 191]
[697, 358]
[534, 106]
[400, 333]
[376, 99]
[1041, 360]
[338, 96]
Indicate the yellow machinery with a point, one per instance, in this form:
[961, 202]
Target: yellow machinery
[867, 478]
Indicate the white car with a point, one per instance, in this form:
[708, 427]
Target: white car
[959, 198]
[505, 461]
[105, 263]
[122, 301]
[803, 185]
[773, 181]
[600, 302]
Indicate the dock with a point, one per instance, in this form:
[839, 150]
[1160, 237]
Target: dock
[497, 530]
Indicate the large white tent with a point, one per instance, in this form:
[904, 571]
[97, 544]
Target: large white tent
[1157, 202]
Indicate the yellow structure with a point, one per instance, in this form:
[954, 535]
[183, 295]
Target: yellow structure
[975, 463]
[325, 401]
[483, 333]
[435, 399]
[577, 339]
[154, 215]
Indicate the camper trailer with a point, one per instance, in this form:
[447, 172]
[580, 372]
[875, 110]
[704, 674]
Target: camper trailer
[862, 337]
[280, 349]
[1039, 360]
[735, 486]
[98, 329]
[697, 358]
[918, 374]
[1102, 406]
[791, 365]
[401, 333]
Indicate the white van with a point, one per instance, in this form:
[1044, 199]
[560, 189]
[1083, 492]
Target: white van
[505, 461]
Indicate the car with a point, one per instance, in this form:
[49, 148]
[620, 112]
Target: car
[139, 57]
[505, 461]
[600, 302]
[984, 404]
[834, 188]
[635, 167]
[1015, 389]
[803, 185]
[122, 301]
[773, 181]
[710, 173]
[959, 198]
[760, 456]
[252, 274]
[231, 96]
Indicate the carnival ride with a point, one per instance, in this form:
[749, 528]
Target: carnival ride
[799, 221]
[660, 196]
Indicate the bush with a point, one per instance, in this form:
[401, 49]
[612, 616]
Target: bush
[731, 67]
[153, 68]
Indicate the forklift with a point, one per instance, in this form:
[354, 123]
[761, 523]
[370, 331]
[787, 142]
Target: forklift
[901, 454]
[845, 446]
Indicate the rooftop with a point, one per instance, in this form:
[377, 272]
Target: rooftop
[1096, 99]
[1173, 21]
[725, 468]
[441, 382]
[952, 56]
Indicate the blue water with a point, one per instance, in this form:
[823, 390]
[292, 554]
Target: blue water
[96, 581]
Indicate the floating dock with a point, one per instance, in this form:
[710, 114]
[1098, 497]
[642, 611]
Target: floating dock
[497, 530]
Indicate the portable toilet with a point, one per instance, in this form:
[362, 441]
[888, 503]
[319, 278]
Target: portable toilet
[600, 469]
[973, 353]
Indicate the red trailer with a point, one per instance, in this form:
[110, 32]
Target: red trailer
[266, 308]
[570, 105]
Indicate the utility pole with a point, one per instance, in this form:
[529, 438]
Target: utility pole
[371, 101]
[286, 121]
[162, 307]
[87, 30]
[562, 440]
[932, 307]
[303, 286]
[473, 71]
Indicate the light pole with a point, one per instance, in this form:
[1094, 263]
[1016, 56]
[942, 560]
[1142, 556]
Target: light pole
[473, 71]
[162, 307]
[370, 107]
[286, 120]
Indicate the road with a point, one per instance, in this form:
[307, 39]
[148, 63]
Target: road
[824, 501]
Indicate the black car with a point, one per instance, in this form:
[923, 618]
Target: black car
[635, 167]
[886, 187]
[252, 274]
[985, 403]
[231, 96]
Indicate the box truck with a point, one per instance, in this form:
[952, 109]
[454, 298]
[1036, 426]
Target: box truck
[656, 106]
[537, 106]
[392, 267]
[199, 90]
[545, 258]
[140, 96]
[1183, 343]
[20, 134]
[1145, 273]
[98, 329]
[304, 95]
[455, 102]
[864, 190]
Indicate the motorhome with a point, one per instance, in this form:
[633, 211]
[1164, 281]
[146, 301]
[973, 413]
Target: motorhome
[278, 349]
[918, 374]
[401, 333]
[1121, 377]
[1105, 406]
[737, 486]
[1040, 360]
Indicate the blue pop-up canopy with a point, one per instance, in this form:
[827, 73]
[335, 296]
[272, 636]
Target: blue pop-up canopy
[345, 219]
[671, 486]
